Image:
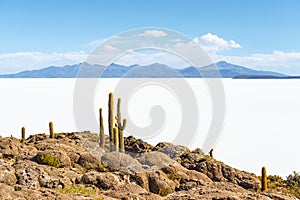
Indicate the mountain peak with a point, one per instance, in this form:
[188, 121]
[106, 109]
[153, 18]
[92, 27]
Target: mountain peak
[155, 70]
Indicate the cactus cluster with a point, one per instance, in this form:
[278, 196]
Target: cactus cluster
[116, 136]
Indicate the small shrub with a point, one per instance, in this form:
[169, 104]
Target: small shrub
[50, 160]
[17, 188]
[186, 160]
[293, 184]
[206, 158]
[165, 192]
[173, 177]
[198, 151]
[74, 189]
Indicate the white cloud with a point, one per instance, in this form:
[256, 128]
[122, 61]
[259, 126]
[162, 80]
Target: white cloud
[153, 33]
[214, 43]
[274, 59]
[136, 57]
[14, 62]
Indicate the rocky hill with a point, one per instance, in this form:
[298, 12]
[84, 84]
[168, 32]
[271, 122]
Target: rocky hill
[73, 166]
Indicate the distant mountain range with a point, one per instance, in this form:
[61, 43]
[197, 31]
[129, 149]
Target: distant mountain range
[156, 70]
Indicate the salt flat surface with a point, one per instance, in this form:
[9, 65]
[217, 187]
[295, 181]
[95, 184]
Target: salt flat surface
[261, 128]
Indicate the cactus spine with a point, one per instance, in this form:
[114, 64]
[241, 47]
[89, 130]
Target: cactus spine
[264, 179]
[121, 126]
[23, 133]
[102, 139]
[111, 120]
[116, 139]
[51, 129]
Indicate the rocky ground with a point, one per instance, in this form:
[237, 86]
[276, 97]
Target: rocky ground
[73, 166]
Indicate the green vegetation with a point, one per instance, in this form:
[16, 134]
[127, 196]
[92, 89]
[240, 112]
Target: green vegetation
[277, 184]
[74, 189]
[198, 151]
[186, 160]
[293, 184]
[165, 192]
[173, 176]
[50, 160]
[17, 188]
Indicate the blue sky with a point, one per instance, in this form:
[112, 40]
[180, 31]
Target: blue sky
[265, 30]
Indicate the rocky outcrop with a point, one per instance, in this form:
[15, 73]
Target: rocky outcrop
[173, 151]
[73, 166]
[136, 146]
[219, 172]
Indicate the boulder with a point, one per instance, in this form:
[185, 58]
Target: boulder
[219, 172]
[136, 146]
[174, 151]
[122, 162]
[88, 162]
[104, 180]
[56, 158]
[155, 159]
[9, 147]
[160, 184]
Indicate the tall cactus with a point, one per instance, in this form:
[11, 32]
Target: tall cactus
[23, 133]
[264, 179]
[121, 126]
[116, 139]
[51, 129]
[102, 139]
[111, 120]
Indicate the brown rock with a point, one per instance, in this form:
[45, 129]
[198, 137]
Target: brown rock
[159, 183]
[90, 162]
[64, 160]
[122, 162]
[155, 159]
[9, 147]
[174, 151]
[136, 146]
[7, 174]
[102, 180]
[220, 172]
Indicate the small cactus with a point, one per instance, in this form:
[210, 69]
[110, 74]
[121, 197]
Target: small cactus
[51, 129]
[116, 139]
[264, 185]
[23, 133]
[102, 139]
[121, 126]
[111, 120]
